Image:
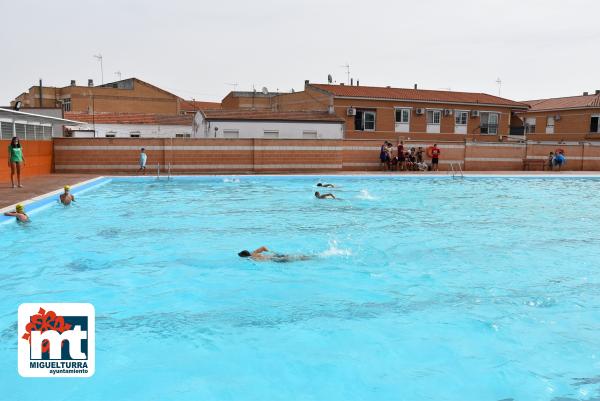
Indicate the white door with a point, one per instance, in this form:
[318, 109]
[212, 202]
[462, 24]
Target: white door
[461, 117]
[434, 118]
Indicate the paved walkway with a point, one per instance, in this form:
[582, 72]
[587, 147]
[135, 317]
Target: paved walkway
[35, 186]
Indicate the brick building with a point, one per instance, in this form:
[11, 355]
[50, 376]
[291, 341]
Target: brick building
[249, 100]
[126, 96]
[573, 118]
[389, 113]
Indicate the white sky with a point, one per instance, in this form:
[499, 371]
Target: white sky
[195, 48]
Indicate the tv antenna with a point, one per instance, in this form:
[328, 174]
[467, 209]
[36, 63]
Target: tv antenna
[347, 67]
[99, 58]
[329, 79]
[232, 84]
[118, 74]
[499, 82]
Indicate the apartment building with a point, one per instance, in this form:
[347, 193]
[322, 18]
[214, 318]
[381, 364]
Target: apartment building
[572, 118]
[388, 113]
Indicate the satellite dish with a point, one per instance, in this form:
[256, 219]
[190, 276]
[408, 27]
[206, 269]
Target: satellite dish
[329, 78]
[265, 91]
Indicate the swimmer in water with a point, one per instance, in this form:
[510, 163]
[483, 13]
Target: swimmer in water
[19, 214]
[326, 185]
[66, 198]
[318, 195]
[263, 254]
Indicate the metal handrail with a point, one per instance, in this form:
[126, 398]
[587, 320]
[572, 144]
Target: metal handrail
[158, 171]
[169, 173]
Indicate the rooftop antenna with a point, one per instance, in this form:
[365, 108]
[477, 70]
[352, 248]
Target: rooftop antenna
[232, 84]
[499, 82]
[264, 90]
[118, 73]
[347, 67]
[99, 58]
[329, 79]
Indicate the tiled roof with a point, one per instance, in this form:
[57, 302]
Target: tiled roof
[419, 95]
[193, 105]
[571, 102]
[131, 118]
[237, 114]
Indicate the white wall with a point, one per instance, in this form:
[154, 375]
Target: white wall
[143, 130]
[256, 129]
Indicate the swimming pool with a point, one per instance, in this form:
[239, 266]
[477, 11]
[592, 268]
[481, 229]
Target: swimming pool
[422, 288]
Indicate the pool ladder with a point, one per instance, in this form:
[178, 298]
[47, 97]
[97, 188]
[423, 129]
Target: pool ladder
[158, 171]
[457, 171]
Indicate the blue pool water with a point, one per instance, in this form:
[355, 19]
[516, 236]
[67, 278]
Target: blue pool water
[422, 288]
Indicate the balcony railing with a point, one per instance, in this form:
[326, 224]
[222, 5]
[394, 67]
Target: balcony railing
[488, 129]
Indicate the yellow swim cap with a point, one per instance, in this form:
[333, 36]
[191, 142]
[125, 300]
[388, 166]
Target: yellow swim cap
[67, 187]
[19, 208]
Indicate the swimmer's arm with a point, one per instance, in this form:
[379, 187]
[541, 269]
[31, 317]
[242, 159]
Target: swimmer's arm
[261, 250]
[11, 214]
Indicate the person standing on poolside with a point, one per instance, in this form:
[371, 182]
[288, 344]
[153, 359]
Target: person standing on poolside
[19, 213]
[15, 160]
[435, 157]
[143, 160]
[66, 198]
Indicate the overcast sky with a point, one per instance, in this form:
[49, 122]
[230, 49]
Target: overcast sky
[195, 49]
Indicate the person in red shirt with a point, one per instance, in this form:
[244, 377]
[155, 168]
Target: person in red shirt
[401, 159]
[435, 157]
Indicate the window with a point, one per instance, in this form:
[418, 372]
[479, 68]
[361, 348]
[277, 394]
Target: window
[271, 134]
[231, 133]
[67, 104]
[595, 124]
[461, 117]
[7, 130]
[187, 135]
[489, 123]
[134, 135]
[20, 130]
[403, 116]
[550, 122]
[110, 135]
[364, 120]
[309, 134]
[434, 116]
[30, 131]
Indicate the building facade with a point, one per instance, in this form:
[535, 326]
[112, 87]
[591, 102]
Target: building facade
[129, 125]
[573, 118]
[267, 124]
[389, 113]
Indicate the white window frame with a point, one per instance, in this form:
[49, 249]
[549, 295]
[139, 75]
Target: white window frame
[461, 113]
[402, 110]
[434, 112]
[596, 116]
[364, 120]
[497, 124]
[310, 134]
[231, 133]
[270, 133]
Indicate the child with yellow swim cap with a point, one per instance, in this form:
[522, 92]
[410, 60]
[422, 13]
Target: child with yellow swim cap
[19, 213]
[66, 197]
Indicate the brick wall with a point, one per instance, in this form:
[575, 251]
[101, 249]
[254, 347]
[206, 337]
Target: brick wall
[197, 156]
[573, 125]
[38, 159]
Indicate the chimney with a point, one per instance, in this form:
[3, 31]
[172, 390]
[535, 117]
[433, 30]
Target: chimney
[585, 93]
[415, 86]
[341, 84]
[41, 92]
[357, 82]
[90, 82]
[351, 81]
[597, 92]
[388, 86]
[73, 83]
[306, 82]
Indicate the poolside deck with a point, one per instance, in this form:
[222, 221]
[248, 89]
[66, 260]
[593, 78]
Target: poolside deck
[35, 186]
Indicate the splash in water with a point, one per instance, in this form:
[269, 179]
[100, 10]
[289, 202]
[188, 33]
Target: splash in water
[231, 180]
[364, 194]
[335, 250]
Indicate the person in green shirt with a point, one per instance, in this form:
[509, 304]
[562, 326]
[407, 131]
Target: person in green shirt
[15, 160]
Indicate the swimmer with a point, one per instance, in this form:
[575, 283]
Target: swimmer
[326, 185]
[324, 196]
[19, 213]
[263, 254]
[66, 198]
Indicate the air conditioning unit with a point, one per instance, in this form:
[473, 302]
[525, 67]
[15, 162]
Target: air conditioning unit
[351, 111]
[474, 113]
[447, 112]
[557, 117]
[419, 111]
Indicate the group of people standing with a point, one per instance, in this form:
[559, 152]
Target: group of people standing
[556, 159]
[408, 159]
